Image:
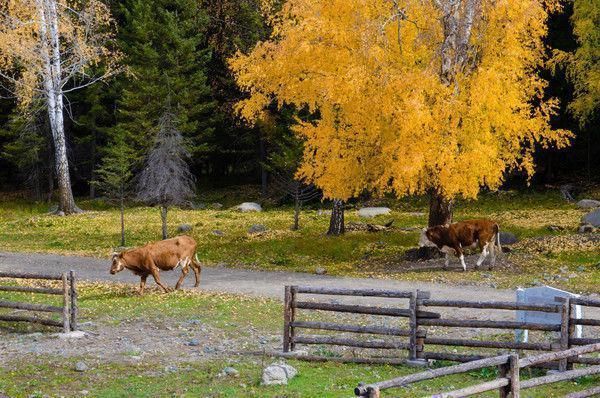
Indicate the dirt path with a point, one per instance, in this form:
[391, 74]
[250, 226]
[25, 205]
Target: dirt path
[230, 280]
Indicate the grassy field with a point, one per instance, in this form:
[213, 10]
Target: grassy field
[550, 250]
[117, 311]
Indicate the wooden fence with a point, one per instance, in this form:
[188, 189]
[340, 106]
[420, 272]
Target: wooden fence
[419, 319]
[68, 291]
[414, 343]
[508, 382]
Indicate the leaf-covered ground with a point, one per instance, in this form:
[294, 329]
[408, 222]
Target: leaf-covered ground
[550, 250]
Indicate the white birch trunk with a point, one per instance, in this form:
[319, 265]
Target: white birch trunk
[49, 36]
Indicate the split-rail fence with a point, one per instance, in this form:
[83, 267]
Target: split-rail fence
[68, 290]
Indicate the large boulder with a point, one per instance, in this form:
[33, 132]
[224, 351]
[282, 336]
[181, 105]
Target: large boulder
[507, 238]
[369, 212]
[278, 374]
[249, 206]
[592, 218]
[588, 204]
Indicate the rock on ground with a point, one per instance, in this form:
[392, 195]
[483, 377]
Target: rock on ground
[256, 229]
[249, 206]
[507, 238]
[592, 218]
[368, 212]
[184, 228]
[81, 367]
[588, 204]
[278, 374]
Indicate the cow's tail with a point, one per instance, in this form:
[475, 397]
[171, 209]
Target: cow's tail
[497, 228]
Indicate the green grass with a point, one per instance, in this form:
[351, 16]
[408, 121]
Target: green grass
[26, 227]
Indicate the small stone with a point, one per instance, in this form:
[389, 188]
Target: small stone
[81, 366]
[586, 228]
[248, 207]
[320, 271]
[507, 238]
[60, 213]
[278, 374]
[564, 269]
[257, 229]
[77, 334]
[209, 350]
[369, 212]
[555, 228]
[184, 228]
[171, 369]
[84, 392]
[193, 343]
[195, 322]
[218, 232]
[216, 206]
[231, 372]
[581, 268]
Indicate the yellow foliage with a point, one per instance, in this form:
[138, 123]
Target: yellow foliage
[388, 122]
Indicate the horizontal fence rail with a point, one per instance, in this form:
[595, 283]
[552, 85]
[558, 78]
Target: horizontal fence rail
[68, 291]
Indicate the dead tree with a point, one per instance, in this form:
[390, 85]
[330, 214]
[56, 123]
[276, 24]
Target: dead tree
[299, 191]
[166, 179]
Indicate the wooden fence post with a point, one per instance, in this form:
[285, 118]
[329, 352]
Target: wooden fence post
[66, 316]
[287, 316]
[74, 307]
[513, 374]
[293, 294]
[565, 316]
[412, 308]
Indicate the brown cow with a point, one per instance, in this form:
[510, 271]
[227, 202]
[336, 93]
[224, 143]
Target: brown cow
[455, 237]
[163, 255]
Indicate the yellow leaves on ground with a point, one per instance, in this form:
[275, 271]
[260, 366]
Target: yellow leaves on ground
[386, 121]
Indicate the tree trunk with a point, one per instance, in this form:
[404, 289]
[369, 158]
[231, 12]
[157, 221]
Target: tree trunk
[163, 216]
[49, 36]
[296, 225]
[336, 224]
[122, 221]
[440, 209]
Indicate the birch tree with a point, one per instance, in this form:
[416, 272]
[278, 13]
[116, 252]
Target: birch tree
[410, 96]
[47, 49]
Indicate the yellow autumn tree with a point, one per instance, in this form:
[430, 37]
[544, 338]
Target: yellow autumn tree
[412, 96]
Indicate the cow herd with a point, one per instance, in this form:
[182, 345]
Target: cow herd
[180, 252]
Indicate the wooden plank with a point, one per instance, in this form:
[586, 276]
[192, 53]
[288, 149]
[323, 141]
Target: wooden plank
[488, 344]
[583, 341]
[434, 373]
[489, 324]
[352, 328]
[358, 292]
[594, 391]
[447, 356]
[350, 342]
[30, 307]
[318, 358]
[514, 388]
[66, 313]
[565, 315]
[74, 305]
[29, 289]
[293, 296]
[477, 389]
[499, 305]
[412, 321]
[28, 275]
[287, 318]
[31, 319]
[587, 301]
[362, 309]
[584, 321]
[553, 356]
[561, 376]
[586, 360]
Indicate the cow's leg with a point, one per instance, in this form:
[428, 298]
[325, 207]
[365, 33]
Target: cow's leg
[184, 271]
[461, 256]
[156, 276]
[143, 283]
[484, 253]
[197, 270]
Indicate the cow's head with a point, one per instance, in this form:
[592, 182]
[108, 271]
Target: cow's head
[118, 264]
[429, 236]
